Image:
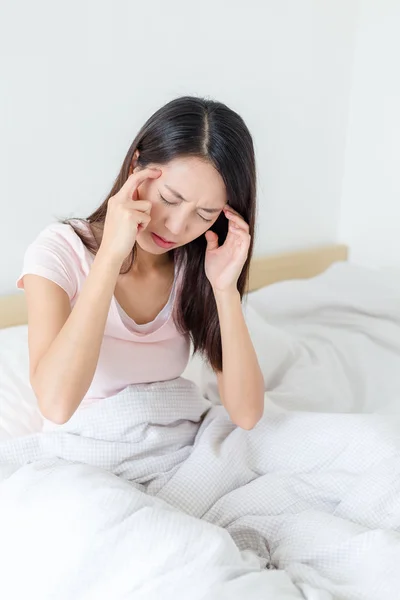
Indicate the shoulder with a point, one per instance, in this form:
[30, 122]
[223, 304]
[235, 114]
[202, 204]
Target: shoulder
[60, 240]
[57, 254]
[62, 234]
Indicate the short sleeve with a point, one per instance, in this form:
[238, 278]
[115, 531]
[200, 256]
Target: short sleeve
[53, 256]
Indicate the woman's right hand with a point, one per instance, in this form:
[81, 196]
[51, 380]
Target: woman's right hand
[126, 216]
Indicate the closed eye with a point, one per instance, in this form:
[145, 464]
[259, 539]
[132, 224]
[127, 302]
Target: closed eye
[204, 219]
[165, 201]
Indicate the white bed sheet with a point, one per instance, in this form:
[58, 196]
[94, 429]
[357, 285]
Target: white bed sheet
[19, 414]
[330, 354]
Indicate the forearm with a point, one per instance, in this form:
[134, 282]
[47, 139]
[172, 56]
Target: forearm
[65, 372]
[241, 382]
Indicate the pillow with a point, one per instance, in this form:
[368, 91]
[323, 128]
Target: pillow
[19, 413]
[276, 351]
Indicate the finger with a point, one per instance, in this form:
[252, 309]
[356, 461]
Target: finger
[143, 174]
[143, 221]
[136, 179]
[212, 240]
[141, 205]
[238, 234]
[238, 229]
[236, 219]
[229, 209]
[230, 241]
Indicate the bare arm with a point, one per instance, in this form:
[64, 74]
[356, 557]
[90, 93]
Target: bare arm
[241, 383]
[64, 344]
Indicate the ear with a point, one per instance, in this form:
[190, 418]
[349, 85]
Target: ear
[134, 162]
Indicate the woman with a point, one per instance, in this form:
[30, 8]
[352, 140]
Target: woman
[114, 300]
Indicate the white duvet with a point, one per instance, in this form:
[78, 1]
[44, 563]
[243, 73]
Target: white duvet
[153, 494]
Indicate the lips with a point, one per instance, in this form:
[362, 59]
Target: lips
[162, 242]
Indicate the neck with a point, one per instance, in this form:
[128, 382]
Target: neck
[144, 261]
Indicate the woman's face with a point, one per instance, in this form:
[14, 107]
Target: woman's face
[186, 200]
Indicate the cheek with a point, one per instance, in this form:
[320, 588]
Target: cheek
[208, 225]
[157, 211]
[205, 226]
[146, 191]
[198, 227]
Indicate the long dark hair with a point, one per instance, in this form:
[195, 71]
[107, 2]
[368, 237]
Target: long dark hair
[191, 126]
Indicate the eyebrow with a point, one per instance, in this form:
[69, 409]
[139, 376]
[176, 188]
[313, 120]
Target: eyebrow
[180, 197]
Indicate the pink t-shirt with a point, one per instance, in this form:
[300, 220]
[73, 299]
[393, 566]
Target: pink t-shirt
[130, 353]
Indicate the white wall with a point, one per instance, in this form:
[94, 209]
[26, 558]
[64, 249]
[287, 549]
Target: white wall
[78, 79]
[370, 215]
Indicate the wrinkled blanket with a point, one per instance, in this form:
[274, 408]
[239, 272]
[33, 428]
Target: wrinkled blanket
[154, 493]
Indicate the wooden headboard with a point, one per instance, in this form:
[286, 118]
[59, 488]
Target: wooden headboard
[264, 271]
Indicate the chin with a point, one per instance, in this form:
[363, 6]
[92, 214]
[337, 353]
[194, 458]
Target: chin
[147, 245]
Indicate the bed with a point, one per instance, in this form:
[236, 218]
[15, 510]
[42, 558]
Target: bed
[19, 414]
[130, 501]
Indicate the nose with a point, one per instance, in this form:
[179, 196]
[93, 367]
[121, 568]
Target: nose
[176, 223]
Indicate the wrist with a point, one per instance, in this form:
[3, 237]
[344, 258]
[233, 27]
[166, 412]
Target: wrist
[226, 296]
[108, 260]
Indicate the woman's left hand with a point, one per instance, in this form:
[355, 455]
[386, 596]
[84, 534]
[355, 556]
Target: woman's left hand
[223, 264]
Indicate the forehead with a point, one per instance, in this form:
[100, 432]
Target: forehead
[196, 180]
